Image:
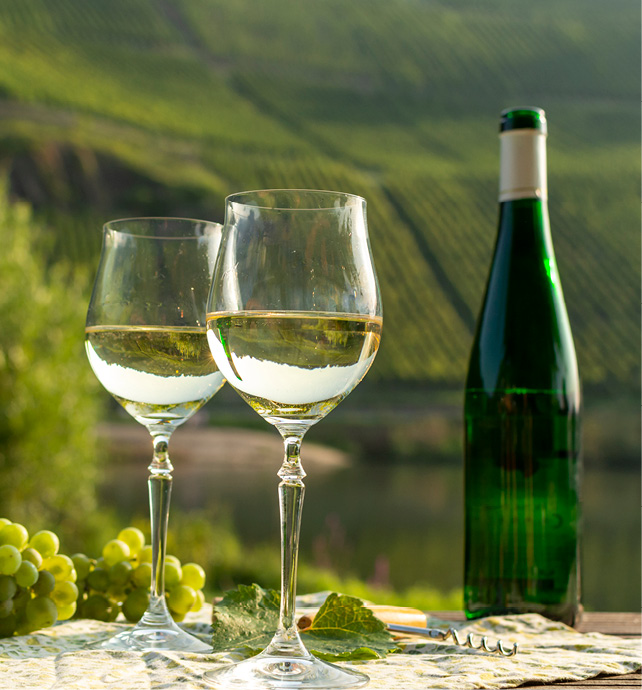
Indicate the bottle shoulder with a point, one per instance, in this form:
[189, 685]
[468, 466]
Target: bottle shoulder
[507, 358]
[523, 338]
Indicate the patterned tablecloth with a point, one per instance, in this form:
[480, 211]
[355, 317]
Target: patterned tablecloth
[59, 658]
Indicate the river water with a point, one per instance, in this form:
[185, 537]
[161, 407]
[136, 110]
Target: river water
[397, 523]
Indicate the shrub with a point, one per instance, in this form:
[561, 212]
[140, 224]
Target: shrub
[49, 457]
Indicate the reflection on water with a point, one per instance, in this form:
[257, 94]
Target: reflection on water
[402, 524]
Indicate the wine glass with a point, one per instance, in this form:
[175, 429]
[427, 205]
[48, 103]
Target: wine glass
[294, 322]
[145, 340]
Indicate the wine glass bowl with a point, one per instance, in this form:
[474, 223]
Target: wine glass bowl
[293, 367]
[145, 341]
[294, 315]
[294, 323]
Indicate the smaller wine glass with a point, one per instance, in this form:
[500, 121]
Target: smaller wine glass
[294, 322]
[146, 343]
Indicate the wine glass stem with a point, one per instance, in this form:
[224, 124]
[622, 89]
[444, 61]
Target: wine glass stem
[291, 491]
[160, 490]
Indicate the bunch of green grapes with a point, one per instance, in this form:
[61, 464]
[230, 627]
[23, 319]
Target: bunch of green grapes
[121, 580]
[37, 584]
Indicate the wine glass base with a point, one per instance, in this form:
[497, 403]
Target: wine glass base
[266, 672]
[148, 639]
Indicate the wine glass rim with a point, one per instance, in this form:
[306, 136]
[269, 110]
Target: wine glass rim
[236, 198]
[109, 226]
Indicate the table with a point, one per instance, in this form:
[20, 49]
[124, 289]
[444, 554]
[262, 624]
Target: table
[62, 657]
[622, 624]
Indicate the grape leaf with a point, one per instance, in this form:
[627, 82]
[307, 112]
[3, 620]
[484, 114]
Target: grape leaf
[246, 617]
[342, 630]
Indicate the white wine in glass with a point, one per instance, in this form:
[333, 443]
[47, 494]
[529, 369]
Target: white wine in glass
[146, 343]
[294, 323]
[159, 375]
[294, 367]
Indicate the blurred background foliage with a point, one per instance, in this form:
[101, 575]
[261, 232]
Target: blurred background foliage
[162, 107]
[49, 408]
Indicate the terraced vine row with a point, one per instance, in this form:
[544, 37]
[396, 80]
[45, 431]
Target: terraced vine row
[598, 269]
[396, 101]
[133, 22]
[424, 337]
[156, 84]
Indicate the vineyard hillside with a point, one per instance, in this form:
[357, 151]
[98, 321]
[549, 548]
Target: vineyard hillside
[138, 107]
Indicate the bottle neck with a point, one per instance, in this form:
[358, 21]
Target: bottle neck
[524, 241]
[522, 165]
[523, 339]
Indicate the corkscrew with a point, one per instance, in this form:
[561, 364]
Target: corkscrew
[441, 635]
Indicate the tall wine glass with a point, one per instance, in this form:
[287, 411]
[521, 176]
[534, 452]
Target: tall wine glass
[145, 340]
[294, 323]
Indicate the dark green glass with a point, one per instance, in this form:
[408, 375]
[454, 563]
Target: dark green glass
[523, 118]
[522, 406]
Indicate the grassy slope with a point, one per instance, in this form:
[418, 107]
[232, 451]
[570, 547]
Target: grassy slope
[394, 99]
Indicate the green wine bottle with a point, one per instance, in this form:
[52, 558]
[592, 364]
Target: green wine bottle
[522, 406]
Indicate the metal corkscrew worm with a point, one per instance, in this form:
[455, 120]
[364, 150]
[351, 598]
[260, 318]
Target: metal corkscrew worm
[436, 634]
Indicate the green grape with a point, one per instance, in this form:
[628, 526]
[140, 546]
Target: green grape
[80, 607]
[8, 587]
[172, 575]
[66, 612]
[172, 559]
[82, 565]
[21, 599]
[64, 593]
[116, 593]
[10, 559]
[135, 605]
[6, 608]
[100, 563]
[120, 573]
[40, 613]
[97, 607]
[193, 576]
[142, 576]
[133, 537]
[112, 613]
[45, 542]
[200, 600]
[4, 521]
[32, 556]
[145, 554]
[8, 625]
[114, 551]
[61, 567]
[27, 574]
[44, 584]
[98, 579]
[178, 617]
[14, 534]
[181, 599]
